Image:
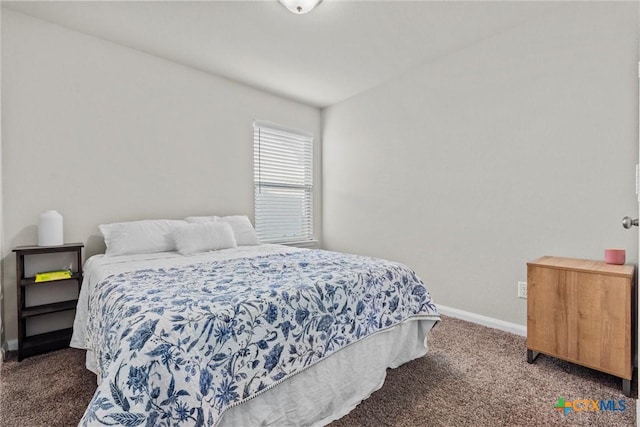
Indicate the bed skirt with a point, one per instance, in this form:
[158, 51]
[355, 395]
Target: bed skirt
[314, 397]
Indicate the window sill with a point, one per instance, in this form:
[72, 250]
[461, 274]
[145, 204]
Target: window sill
[299, 243]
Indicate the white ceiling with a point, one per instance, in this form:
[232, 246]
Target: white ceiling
[338, 50]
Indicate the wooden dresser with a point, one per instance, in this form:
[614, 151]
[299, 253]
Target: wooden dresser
[582, 311]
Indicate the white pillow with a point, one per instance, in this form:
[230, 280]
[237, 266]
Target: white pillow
[139, 237]
[212, 218]
[203, 236]
[243, 230]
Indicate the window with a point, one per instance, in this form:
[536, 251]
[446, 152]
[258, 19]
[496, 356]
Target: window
[282, 168]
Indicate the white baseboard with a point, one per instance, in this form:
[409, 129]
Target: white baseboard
[12, 345]
[7, 346]
[514, 328]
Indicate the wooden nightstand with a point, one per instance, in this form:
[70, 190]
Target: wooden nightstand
[34, 259]
[582, 311]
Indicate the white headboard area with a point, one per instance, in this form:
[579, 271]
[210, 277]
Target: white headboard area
[104, 133]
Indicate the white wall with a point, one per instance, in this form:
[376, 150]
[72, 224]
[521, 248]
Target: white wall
[519, 146]
[104, 133]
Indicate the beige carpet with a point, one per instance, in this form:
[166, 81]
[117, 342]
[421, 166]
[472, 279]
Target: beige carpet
[472, 376]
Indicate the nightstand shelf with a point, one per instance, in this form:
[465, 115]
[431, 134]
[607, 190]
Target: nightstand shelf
[53, 307]
[32, 280]
[46, 300]
[49, 341]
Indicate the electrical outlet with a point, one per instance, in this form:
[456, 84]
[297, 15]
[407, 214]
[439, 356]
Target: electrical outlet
[522, 290]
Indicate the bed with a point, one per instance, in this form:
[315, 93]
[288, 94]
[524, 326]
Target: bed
[251, 335]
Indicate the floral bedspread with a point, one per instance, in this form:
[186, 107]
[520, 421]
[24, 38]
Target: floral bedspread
[180, 345]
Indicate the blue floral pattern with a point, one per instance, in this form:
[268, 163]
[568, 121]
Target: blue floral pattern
[180, 345]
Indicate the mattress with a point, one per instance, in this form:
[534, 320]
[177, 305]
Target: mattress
[336, 372]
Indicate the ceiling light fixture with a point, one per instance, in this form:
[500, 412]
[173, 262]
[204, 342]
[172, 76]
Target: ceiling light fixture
[300, 7]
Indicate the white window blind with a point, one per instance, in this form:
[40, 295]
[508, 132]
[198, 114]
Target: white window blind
[283, 178]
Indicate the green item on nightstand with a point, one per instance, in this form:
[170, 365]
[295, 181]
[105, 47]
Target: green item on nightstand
[48, 276]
